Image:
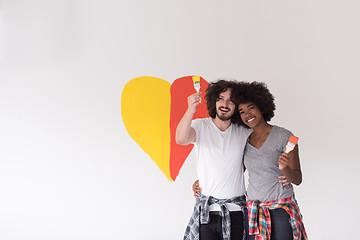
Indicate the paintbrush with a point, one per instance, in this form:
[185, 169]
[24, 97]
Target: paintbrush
[196, 81]
[291, 143]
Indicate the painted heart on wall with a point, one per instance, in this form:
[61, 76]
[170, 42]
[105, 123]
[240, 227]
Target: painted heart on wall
[151, 109]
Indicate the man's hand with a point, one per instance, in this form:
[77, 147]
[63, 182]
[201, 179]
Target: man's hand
[193, 101]
[185, 134]
[284, 181]
[196, 189]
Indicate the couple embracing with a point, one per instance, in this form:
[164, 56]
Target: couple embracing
[237, 136]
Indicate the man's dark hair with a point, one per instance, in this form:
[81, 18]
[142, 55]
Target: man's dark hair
[257, 93]
[212, 96]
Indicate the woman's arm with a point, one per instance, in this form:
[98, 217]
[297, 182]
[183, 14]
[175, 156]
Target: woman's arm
[289, 164]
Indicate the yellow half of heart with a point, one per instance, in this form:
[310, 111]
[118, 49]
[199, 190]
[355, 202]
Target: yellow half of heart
[145, 110]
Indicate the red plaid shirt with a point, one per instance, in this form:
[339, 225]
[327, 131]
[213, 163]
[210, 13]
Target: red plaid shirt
[260, 222]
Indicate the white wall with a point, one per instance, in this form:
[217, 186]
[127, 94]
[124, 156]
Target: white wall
[68, 168]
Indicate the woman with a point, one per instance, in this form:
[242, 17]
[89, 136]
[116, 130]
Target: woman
[273, 212]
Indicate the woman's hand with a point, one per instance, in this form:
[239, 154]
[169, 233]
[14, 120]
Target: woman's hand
[289, 164]
[284, 161]
[196, 189]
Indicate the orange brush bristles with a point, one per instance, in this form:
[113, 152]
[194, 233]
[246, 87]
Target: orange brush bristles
[293, 139]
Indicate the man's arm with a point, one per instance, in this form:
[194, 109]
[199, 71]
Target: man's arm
[185, 134]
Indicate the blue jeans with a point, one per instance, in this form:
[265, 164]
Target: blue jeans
[213, 230]
[280, 225]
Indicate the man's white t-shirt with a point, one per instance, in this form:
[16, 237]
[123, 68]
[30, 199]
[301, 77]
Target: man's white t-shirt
[219, 160]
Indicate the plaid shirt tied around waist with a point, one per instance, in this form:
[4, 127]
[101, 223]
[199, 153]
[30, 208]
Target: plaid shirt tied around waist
[260, 222]
[201, 215]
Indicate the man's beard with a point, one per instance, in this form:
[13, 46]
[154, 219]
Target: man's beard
[222, 117]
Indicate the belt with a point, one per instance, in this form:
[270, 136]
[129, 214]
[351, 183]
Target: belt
[219, 212]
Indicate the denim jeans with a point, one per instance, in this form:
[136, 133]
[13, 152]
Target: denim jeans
[280, 225]
[213, 230]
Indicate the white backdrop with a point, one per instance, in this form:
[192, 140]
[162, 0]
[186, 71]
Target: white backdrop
[69, 169]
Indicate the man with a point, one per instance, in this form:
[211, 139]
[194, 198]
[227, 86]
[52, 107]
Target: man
[219, 144]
